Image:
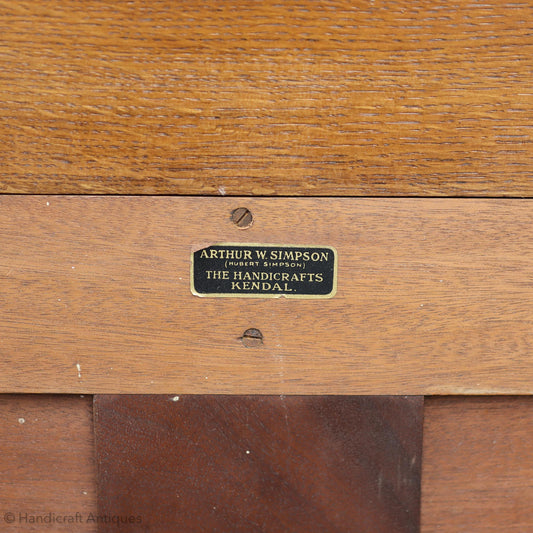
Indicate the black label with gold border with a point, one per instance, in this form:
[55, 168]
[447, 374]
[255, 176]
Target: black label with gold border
[264, 271]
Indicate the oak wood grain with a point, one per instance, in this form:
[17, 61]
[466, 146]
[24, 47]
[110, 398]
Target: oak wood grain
[262, 464]
[47, 463]
[434, 296]
[267, 98]
[478, 465]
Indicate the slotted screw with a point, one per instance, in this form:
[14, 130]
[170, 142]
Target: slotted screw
[242, 217]
[252, 337]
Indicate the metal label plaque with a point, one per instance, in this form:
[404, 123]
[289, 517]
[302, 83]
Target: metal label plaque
[264, 271]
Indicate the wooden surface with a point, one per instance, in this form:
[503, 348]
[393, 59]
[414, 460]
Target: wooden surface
[271, 98]
[259, 463]
[47, 463]
[434, 296]
[477, 465]
[477, 462]
[330, 98]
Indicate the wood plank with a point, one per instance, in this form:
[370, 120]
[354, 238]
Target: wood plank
[259, 463]
[336, 97]
[47, 463]
[476, 461]
[434, 296]
[478, 465]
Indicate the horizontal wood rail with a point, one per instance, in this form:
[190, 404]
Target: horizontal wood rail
[337, 97]
[434, 296]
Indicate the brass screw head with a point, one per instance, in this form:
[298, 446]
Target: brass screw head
[242, 217]
[252, 338]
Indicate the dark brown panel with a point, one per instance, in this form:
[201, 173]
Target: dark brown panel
[47, 464]
[338, 97]
[478, 465]
[263, 463]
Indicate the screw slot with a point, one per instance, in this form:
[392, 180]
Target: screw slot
[252, 337]
[242, 217]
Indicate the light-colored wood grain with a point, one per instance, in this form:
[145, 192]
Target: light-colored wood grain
[47, 463]
[434, 296]
[289, 98]
[478, 465]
